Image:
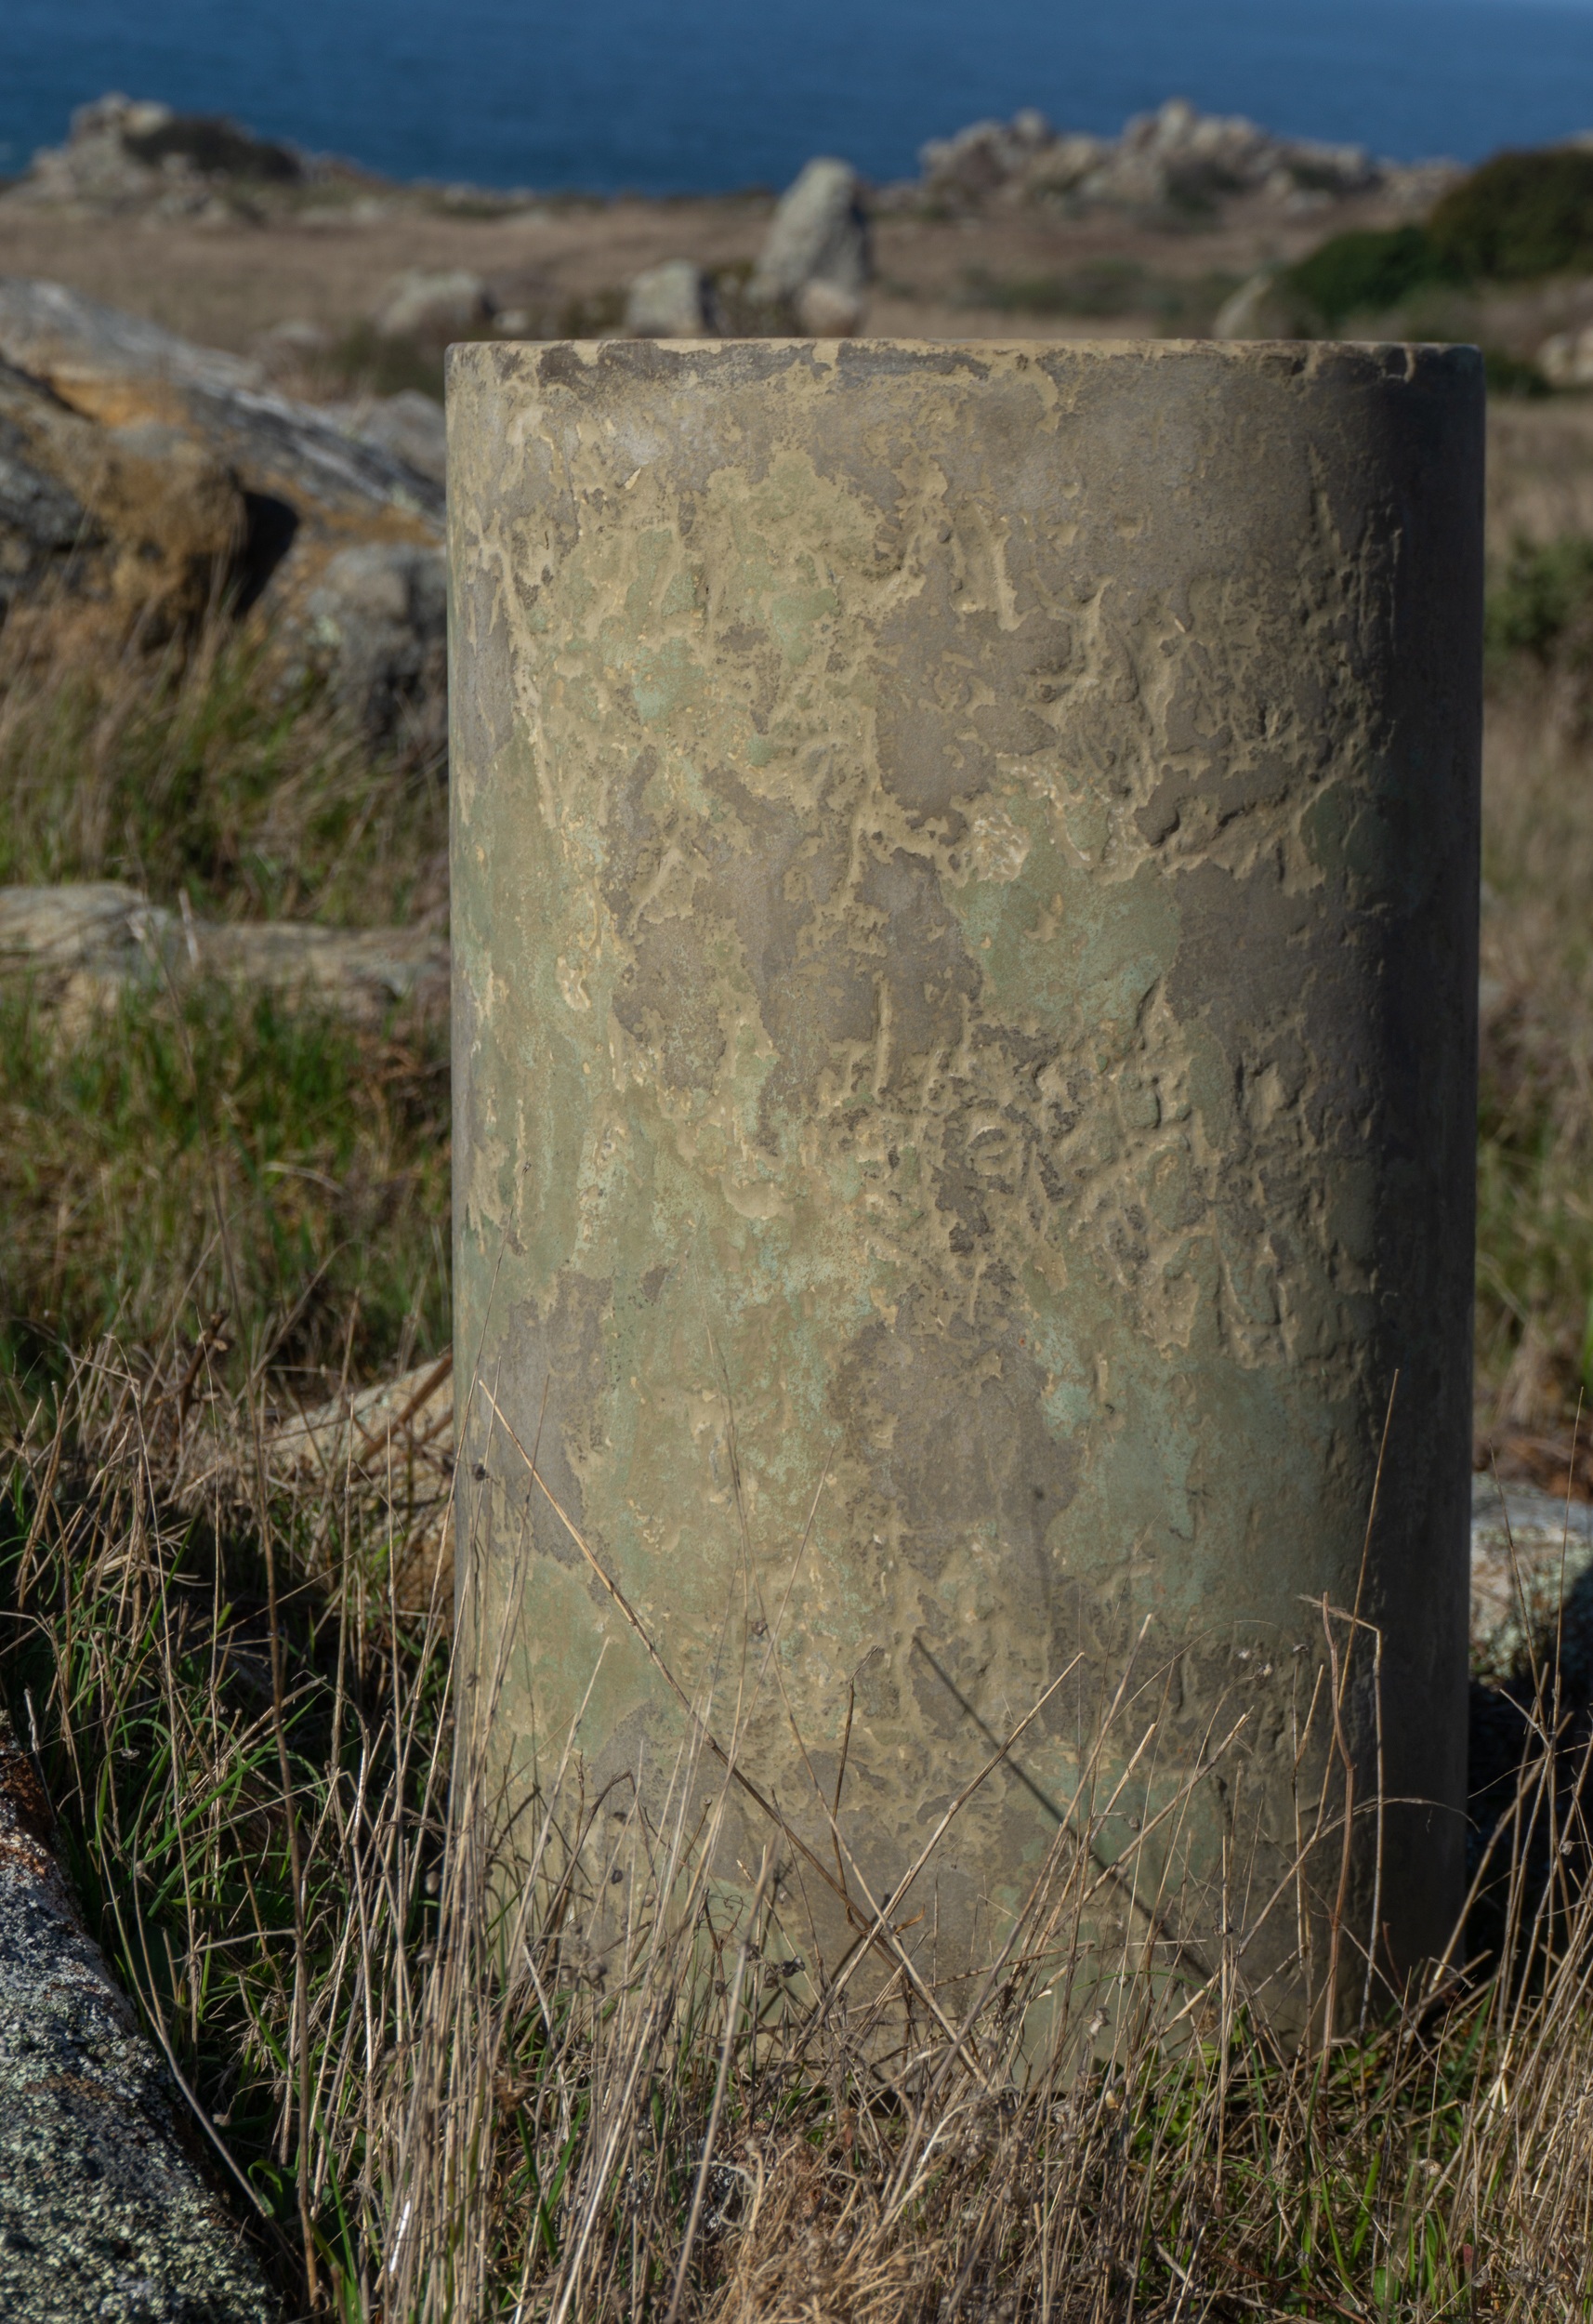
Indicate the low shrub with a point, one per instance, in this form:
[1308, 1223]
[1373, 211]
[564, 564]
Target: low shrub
[1541, 603]
[1368, 270]
[1521, 215]
[1515, 375]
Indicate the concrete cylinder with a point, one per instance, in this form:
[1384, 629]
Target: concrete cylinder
[965, 886]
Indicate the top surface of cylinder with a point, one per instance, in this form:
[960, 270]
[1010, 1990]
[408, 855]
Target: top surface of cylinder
[963, 890]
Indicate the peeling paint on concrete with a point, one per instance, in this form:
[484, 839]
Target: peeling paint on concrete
[965, 869]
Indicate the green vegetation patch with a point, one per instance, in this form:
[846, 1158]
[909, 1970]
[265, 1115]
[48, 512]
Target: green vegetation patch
[1535, 1156]
[1515, 375]
[1541, 603]
[1521, 215]
[1368, 270]
[226, 1164]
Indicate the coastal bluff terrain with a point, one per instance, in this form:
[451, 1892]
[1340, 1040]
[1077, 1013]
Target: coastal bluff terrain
[225, 966]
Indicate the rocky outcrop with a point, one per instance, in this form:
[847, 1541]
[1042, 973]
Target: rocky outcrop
[816, 259]
[377, 624]
[1532, 1583]
[119, 370]
[106, 2210]
[137, 523]
[143, 474]
[989, 156]
[122, 155]
[85, 944]
[1177, 158]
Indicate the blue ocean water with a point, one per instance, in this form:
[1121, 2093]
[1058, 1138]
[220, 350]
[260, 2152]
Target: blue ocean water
[677, 96]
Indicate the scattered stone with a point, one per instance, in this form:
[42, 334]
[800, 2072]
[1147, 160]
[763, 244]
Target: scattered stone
[826, 311]
[672, 301]
[376, 622]
[107, 2205]
[819, 234]
[1531, 1574]
[1566, 360]
[419, 305]
[85, 944]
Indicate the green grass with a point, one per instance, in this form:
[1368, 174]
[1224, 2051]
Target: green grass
[1368, 271]
[172, 1163]
[169, 1161]
[284, 1832]
[214, 1731]
[1541, 602]
[1534, 1305]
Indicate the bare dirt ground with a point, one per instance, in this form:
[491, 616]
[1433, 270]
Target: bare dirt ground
[975, 277]
[1006, 272]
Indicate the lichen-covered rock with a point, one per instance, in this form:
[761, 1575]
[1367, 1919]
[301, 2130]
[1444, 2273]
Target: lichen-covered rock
[84, 943]
[378, 618]
[1531, 1596]
[819, 234]
[139, 519]
[105, 2213]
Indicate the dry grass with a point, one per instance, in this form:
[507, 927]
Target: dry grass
[215, 1166]
[1534, 1343]
[441, 2094]
[444, 2095]
[204, 771]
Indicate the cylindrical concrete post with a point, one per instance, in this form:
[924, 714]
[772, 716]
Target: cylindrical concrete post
[965, 878]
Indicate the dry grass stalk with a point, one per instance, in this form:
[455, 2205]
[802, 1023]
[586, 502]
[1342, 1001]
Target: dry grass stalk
[458, 2094]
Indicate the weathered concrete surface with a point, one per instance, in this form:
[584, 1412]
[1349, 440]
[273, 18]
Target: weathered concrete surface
[965, 886]
[103, 2214]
